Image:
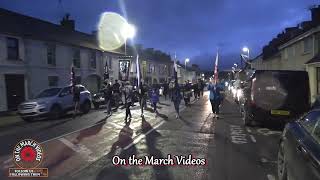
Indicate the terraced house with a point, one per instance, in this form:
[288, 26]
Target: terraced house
[35, 54]
[297, 48]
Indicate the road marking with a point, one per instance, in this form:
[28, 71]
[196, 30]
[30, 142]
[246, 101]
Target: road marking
[267, 132]
[116, 125]
[237, 135]
[253, 139]
[141, 136]
[271, 177]
[249, 130]
[72, 132]
[264, 160]
[79, 148]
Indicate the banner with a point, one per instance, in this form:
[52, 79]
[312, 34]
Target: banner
[124, 68]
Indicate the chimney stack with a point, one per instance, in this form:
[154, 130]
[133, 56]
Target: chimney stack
[315, 14]
[67, 23]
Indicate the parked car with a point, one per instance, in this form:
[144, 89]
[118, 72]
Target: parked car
[54, 102]
[98, 99]
[299, 150]
[274, 95]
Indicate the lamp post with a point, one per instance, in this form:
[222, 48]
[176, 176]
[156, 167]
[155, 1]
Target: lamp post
[128, 31]
[185, 65]
[246, 50]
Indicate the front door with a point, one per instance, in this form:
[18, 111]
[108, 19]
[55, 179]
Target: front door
[15, 90]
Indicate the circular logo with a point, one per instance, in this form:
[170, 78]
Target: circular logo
[28, 154]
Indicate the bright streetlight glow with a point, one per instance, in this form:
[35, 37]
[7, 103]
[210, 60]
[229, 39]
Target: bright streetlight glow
[187, 60]
[245, 49]
[128, 31]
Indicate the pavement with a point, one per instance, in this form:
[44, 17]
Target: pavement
[83, 148]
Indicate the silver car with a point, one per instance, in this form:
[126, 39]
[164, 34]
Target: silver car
[54, 102]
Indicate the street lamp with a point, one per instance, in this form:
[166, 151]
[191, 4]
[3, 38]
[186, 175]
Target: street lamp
[128, 31]
[185, 65]
[246, 50]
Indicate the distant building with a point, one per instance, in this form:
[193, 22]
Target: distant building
[35, 54]
[298, 48]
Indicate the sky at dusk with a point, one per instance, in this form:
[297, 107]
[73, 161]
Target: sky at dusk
[192, 29]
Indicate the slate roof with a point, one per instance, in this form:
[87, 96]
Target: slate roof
[16, 24]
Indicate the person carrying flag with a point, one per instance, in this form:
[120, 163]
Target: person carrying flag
[215, 91]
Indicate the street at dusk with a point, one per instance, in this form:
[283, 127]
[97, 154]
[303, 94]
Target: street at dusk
[80, 148]
[160, 90]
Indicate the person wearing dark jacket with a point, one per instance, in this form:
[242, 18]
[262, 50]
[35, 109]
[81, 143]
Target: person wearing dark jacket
[154, 97]
[107, 92]
[187, 93]
[116, 93]
[176, 98]
[215, 97]
[128, 101]
[143, 90]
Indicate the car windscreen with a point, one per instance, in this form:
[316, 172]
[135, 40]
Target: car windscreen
[49, 93]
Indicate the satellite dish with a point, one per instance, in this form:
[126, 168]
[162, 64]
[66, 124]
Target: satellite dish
[110, 30]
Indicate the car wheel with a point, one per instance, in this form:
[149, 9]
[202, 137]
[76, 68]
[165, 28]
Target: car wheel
[282, 165]
[55, 112]
[27, 119]
[86, 107]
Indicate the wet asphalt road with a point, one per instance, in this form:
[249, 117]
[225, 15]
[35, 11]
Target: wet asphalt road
[231, 150]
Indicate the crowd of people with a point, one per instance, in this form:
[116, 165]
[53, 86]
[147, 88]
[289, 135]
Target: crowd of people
[127, 95]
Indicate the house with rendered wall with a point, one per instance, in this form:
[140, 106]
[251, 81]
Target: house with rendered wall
[297, 48]
[35, 55]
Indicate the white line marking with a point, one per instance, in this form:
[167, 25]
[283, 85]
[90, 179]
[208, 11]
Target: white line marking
[253, 139]
[249, 130]
[115, 125]
[141, 136]
[271, 177]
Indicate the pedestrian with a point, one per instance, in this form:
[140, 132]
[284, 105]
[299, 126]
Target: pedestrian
[202, 85]
[128, 101]
[116, 93]
[171, 86]
[76, 99]
[187, 93]
[176, 98]
[165, 90]
[107, 91]
[215, 97]
[154, 97]
[143, 89]
[196, 91]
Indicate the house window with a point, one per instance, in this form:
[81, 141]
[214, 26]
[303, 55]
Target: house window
[76, 58]
[13, 48]
[93, 61]
[53, 81]
[307, 45]
[290, 52]
[51, 54]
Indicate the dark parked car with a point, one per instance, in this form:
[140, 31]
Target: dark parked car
[275, 95]
[299, 151]
[98, 99]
